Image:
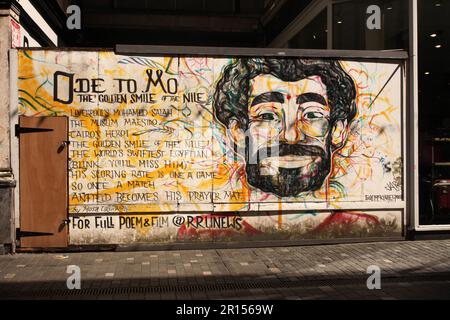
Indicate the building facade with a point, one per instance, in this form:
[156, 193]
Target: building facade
[314, 138]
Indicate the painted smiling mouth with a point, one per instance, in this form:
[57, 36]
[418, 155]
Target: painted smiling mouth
[270, 165]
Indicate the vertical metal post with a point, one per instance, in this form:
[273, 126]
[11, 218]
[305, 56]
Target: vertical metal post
[330, 25]
[413, 123]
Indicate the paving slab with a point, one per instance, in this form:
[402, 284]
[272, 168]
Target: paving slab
[409, 270]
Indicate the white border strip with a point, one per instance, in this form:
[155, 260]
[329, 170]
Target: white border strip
[14, 119]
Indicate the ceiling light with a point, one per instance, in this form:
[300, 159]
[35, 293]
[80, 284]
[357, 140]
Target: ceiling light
[433, 35]
[389, 8]
[437, 46]
[427, 73]
[437, 4]
[339, 22]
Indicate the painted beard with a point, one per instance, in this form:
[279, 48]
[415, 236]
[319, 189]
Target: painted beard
[288, 170]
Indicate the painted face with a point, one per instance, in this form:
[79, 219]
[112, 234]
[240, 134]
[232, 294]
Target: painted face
[288, 144]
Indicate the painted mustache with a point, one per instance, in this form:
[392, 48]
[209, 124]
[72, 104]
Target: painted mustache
[289, 154]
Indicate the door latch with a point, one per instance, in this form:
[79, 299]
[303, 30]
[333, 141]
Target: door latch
[63, 145]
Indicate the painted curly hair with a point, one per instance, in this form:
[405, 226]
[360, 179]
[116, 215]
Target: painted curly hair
[233, 88]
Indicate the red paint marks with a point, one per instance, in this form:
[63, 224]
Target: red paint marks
[346, 218]
[359, 73]
[288, 97]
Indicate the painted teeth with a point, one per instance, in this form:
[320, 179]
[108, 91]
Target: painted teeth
[269, 166]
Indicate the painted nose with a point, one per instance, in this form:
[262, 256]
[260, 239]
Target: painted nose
[291, 133]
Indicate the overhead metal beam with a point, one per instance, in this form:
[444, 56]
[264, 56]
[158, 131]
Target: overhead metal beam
[147, 50]
[299, 22]
[270, 13]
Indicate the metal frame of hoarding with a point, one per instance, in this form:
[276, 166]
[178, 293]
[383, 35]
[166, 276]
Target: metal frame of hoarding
[148, 50]
[388, 56]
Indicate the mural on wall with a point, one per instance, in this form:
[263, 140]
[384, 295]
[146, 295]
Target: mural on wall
[295, 113]
[174, 148]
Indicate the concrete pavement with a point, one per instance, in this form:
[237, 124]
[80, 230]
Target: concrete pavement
[409, 270]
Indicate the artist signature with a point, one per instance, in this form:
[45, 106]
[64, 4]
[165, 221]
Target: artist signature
[393, 185]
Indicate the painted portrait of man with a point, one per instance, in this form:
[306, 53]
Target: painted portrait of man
[286, 118]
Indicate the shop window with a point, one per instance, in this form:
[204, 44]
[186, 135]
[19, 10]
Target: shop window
[350, 29]
[313, 36]
[434, 111]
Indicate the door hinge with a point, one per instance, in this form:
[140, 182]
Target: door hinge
[19, 130]
[22, 234]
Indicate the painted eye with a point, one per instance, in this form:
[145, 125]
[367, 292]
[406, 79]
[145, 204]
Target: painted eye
[266, 116]
[313, 115]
